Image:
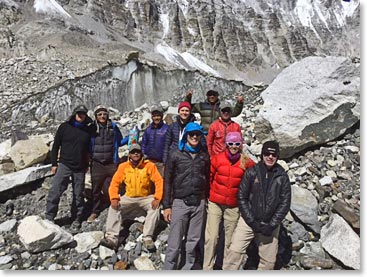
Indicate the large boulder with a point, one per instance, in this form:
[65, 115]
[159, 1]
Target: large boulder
[311, 102]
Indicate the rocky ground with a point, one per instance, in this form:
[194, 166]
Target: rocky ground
[331, 173]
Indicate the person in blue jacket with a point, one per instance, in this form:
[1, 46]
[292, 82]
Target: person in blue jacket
[105, 141]
[154, 138]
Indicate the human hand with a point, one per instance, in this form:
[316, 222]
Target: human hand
[155, 204]
[167, 214]
[266, 229]
[189, 93]
[255, 226]
[240, 99]
[115, 204]
[54, 169]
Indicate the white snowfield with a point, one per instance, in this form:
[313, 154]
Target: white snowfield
[49, 6]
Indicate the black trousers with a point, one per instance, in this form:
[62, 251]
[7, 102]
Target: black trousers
[99, 175]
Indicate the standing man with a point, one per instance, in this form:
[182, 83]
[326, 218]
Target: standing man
[72, 139]
[186, 187]
[264, 199]
[209, 109]
[219, 129]
[105, 143]
[154, 137]
[136, 174]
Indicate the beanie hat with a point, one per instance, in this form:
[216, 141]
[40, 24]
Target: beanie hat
[80, 109]
[100, 108]
[190, 127]
[271, 146]
[234, 137]
[212, 92]
[184, 104]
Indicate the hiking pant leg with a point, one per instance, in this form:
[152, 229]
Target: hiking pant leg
[152, 217]
[59, 184]
[194, 233]
[77, 206]
[241, 238]
[268, 249]
[178, 227]
[230, 220]
[98, 176]
[214, 218]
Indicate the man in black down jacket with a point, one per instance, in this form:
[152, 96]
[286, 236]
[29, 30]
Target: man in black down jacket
[264, 199]
[72, 139]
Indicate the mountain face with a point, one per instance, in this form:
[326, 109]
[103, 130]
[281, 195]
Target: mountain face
[250, 40]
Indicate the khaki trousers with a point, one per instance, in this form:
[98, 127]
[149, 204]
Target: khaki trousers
[214, 217]
[129, 205]
[242, 236]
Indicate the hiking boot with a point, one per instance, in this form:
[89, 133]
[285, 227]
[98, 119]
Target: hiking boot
[149, 245]
[109, 244]
[75, 226]
[92, 217]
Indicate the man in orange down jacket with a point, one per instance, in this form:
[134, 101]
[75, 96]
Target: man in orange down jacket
[137, 174]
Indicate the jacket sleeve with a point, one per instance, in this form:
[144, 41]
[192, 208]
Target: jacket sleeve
[284, 202]
[168, 182]
[244, 196]
[144, 142]
[56, 146]
[158, 182]
[120, 140]
[213, 169]
[167, 144]
[116, 181]
[210, 140]
[237, 110]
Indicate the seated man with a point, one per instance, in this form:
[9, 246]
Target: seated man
[137, 174]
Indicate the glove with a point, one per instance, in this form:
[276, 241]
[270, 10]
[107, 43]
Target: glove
[266, 229]
[255, 226]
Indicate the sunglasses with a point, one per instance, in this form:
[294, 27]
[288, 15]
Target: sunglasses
[192, 134]
[211, 94]
[102, 114]
[226, 110]
[234, 144]
[134, 152]
[267, 154]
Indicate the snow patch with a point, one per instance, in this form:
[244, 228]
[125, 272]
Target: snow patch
[184, 6]
[49, 6]
[304, 11]
[185, 60]
[165, 23]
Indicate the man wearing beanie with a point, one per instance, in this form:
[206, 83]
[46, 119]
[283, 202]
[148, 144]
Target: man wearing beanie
[175, 130]
[105, 143]
[264, 199]
[219, 129]
[209, 109]
[72, 139]
[186, 187]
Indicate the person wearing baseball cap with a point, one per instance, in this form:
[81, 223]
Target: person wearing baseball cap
[105, 143]
[137, 174]
[264, 199]
[154, 137]
[72, 141]
[209, 109]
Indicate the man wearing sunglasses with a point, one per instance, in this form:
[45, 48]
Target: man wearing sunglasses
[105, 142]
[219, 129]
[72, 139]
[264, 199]
[137, 175]
[186, 187]
[209, 109]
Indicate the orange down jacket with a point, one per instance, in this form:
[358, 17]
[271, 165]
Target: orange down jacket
[137, 180]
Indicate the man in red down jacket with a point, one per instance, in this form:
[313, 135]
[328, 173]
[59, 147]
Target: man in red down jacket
[220, 128]
[226, 171]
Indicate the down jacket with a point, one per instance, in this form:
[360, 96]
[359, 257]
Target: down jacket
[153, 141]
[185, 176]
[226, 177]
[137, 180]
[264, 195]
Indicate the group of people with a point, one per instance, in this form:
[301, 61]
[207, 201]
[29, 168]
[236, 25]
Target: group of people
[198, 174]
